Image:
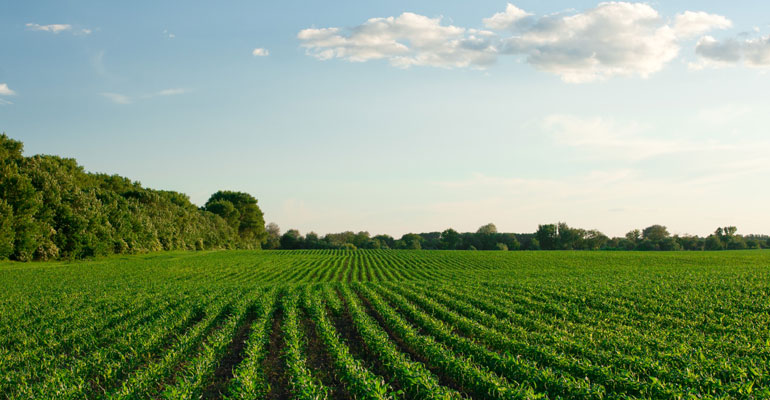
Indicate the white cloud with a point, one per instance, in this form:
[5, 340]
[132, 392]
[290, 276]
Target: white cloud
[117, 98]
[753, 52]
[690, 24]
[57, 28]
[5, 90]
[168, 34]
[260, 52]
[512, 18]
[4, 102]
[407, 40]
[713, 53]
[612, 39]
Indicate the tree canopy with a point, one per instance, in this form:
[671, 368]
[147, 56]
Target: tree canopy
[51, 208]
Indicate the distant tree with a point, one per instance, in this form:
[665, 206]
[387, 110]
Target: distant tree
[547, 237]
[487, 229]
[412, 241]
[273, 240]
[569, 238]
[634, 236]
[510, 240]
[655, 233]
[736, 243]
[450, 239]
[594, 240]
[501, 246]
[669, 244]
[348, 246]
[691, 243]
[713, 243]
[647, 245]
[291, 240]
[360, 239]
[312, 241]
[386, 241]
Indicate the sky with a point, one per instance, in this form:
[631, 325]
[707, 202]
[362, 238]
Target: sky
[396, 117]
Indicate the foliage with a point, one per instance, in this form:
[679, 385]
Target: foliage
[51, 208]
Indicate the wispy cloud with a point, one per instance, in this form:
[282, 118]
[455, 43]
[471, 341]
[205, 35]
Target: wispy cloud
[612, 39]
[260, 52]
[57, 28]
[118, 98]
[168, 34]
[169, 92]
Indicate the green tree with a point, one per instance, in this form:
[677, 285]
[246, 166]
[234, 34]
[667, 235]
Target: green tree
[7, 232]
[291, 240]
[713, 242]
[634, 236]
[412, 241]
[547, 237]
[250, 223]
[655, 233]
[449, 239]
[273, 239]
[736, 243]
[487, 229]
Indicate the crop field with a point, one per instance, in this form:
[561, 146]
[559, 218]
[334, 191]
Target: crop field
[388, 324]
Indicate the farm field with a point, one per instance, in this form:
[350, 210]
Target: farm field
[378, 324]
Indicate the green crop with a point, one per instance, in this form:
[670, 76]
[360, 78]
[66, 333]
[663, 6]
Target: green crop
[378, 324]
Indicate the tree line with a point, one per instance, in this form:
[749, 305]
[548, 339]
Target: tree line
[547, 237]
[51, 208]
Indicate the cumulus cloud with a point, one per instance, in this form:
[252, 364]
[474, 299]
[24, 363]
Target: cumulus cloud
[260, 52]
[614, 38]
[512, 18]
[5, 90]
[407, 40]
[57, 28]
[690, 24]
[753, 52]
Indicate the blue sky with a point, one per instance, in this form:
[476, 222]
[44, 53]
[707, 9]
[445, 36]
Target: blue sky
[608, 116]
